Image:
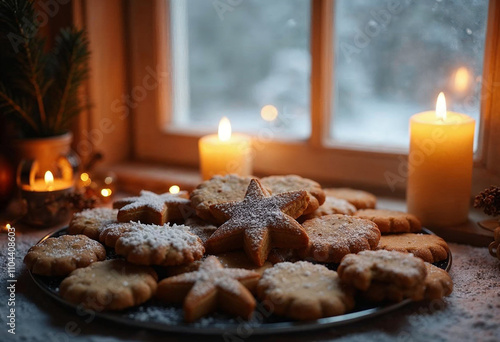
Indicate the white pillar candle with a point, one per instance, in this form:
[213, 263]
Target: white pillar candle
[225, 153]
[440, 166]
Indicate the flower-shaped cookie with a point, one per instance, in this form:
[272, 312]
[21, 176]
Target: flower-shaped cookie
[304, 291]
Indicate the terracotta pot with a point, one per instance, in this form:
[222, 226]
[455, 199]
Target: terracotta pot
[43, 149]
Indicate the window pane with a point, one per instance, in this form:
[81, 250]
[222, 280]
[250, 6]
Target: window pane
[232, 58]
[393, 57]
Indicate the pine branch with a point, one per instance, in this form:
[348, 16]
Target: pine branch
[24, 70]
[40, 88]
[70, 58]
[34, 58]
[6, 100]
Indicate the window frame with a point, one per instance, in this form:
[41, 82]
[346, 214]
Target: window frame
[315, 158]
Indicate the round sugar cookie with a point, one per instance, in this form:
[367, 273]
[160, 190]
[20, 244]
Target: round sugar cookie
[280, 184]
[401, 270]
[109, 285]
[358, 198]
[216, 190]
[304, 291]
[430, 248]
[92, 222]
[391, 221]
[59, 256]
[331, 206]
[149, 244]
[331, 237]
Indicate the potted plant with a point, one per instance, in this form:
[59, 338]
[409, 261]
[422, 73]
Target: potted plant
[39, 89]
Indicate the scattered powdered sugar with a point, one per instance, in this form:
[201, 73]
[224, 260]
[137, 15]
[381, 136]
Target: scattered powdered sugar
[470, 313]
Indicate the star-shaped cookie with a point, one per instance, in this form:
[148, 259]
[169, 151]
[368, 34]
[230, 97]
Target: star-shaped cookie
[210, 287]
[151, 208]
[259, 223]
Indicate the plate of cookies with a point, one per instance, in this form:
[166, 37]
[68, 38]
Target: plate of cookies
[241, 255]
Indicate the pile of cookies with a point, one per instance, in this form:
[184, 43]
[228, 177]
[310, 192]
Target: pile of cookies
[235, 240]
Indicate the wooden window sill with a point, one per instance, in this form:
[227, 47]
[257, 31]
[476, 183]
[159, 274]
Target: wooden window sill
[135, 176]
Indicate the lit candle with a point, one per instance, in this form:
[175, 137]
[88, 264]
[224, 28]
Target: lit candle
[48, 183]
[225, 153]
[440, 166]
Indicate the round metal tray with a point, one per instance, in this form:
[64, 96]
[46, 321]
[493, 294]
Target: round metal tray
[170, 318]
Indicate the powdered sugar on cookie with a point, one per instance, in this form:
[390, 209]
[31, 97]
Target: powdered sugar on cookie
[206, 284]
[148, 244]
[260, 222]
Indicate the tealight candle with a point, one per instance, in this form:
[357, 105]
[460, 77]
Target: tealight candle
[225, 153]
[440, 166]
[48, 183]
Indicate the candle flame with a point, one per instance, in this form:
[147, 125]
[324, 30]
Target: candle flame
[49, 179]
[174, 189]
[441, 107]
[106, 192]
[224, 129]
[7, 226]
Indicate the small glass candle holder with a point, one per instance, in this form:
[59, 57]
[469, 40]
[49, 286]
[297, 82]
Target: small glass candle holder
[45, 177]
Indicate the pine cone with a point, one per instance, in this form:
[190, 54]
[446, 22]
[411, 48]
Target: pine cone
[489, 200]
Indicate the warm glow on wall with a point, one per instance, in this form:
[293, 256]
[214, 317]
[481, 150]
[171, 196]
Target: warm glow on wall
[462, 79]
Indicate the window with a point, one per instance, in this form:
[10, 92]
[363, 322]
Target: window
[233, 59]
[392, 58]
[166, 120]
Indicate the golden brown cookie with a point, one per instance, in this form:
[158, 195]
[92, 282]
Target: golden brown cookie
[382, 291]
[389, 267]
[358, 198]
[109, 285]
[201, 228]
[111, 233]
[152, 208]
[280, 184]
[59, 256]
[438, 283]
[331, 206]
[304, 291]
[218, 189]
[331, 237]
[239, 259]
[148, 244]
[180, 269]
[92, 222]
[259, 222]
[391, 221]
[430, 248]
[209, 288]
